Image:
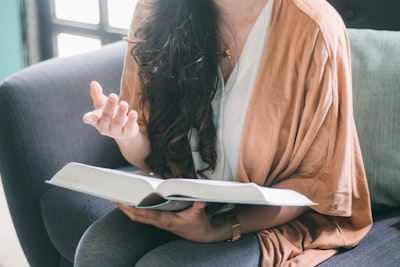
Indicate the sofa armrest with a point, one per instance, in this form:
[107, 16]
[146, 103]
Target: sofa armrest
[41, 110]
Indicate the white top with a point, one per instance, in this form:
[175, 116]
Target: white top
[232, 100]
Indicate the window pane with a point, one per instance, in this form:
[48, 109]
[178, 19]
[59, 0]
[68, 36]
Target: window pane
[120, 13]
[71, 44]
[86, 11]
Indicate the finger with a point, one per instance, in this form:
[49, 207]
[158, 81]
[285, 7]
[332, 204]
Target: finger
[119, 118]
[145, 216]
[96, 93]
[107, 115]
[92, 117]
[126, 209]
[199, 205]
[131, 122]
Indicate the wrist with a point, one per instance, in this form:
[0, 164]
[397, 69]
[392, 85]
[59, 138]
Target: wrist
[125, 142]
[227, 228]
[222, 229]
[235, 228]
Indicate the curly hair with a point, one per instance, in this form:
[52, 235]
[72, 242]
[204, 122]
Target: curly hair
[178, 63]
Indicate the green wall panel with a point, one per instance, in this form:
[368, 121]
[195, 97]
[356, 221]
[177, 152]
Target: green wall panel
[11, 55]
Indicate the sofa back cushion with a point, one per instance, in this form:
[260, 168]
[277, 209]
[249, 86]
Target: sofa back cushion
[376, 90]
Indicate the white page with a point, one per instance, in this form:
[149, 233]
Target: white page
[96, 181]
[231, 192]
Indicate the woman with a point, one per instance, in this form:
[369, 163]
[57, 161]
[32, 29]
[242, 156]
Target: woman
[255, 91]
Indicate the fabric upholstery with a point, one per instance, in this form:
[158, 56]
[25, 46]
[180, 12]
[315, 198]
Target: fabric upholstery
[376, 90]
[66, 225]
[41, 129]
[371, 14]
[379, 248]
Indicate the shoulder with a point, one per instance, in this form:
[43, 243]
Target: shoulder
[311, 24]
[311, 15]
[141, 13]
[319, 12]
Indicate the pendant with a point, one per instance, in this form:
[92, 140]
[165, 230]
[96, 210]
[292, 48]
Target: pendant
[227, 53]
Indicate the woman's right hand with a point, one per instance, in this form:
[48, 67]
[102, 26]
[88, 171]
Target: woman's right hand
[111, 117]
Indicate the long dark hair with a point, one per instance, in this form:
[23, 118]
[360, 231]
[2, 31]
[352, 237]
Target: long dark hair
[178, 64]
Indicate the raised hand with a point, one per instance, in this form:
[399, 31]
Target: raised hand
[111, 117]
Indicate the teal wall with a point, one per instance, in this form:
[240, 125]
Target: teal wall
[11, 55]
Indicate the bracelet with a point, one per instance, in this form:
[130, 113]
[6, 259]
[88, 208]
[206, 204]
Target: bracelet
[235, 224]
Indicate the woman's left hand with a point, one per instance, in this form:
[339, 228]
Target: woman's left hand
[191, 224]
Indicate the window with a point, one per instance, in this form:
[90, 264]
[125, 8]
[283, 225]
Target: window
[82, 25]
[68, 27]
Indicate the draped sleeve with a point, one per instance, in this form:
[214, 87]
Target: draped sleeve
[299, 134]
[299, 131]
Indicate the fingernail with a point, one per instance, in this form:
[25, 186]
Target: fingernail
[87, 118]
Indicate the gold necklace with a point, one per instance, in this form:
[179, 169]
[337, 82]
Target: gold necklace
[227, 53]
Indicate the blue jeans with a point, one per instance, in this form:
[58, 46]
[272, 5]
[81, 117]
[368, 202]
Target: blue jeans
[114, 240]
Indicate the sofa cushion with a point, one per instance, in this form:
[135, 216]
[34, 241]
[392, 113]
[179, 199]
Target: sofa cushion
[379, 248]
[67, 214]
[376, 89]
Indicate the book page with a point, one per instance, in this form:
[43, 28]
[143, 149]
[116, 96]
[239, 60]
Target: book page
[110, 184]
[230, 192]
[132, 189]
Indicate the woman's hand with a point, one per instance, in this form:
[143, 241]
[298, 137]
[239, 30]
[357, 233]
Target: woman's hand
[111, 118]
[194, 224]
[191, 224]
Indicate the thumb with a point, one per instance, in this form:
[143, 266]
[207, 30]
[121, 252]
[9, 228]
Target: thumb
[199, 207]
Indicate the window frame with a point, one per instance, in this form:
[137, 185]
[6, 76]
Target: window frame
[44, 39]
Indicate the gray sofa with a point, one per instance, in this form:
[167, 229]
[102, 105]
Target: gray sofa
[41, 130]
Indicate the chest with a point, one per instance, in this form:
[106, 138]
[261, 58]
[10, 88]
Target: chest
[234, 42]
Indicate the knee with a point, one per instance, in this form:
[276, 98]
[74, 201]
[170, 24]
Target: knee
[91, 247]
[99, 244]
[172, 254]
[115, 240]
[155, 258]
[88, 249]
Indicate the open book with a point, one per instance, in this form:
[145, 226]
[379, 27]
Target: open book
[171, 194]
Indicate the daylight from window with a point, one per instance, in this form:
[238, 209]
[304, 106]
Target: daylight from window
[118, 12]
[72, 44]
[86, 11]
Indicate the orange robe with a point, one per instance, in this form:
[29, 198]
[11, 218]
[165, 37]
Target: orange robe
[300, 134]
